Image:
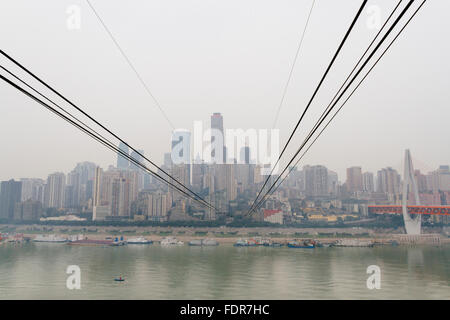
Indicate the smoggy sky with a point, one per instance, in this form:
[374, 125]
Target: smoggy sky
[233, 57]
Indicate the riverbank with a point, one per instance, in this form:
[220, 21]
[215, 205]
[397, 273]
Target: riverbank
[222, 234]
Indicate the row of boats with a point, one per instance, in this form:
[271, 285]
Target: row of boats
[172, 241]
[13, 238]
[81, 240]
[303, 244]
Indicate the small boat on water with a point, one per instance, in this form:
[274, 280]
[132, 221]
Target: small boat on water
[195, 242]
[353, 243]
[245, 243]
[171, 241]
[203, 242]
[90, 242]
[276, 244]
[301, 244]
[116, 242]
[261, 241]
[139, 240]
[49, 238]
[119, 279]
[210, 242]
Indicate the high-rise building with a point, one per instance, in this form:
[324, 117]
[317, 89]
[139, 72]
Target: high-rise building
[316, 180]
[439, 180]
[198, 172]
[116, 189]
[333, 182]
[141, 174]
[28, 210]
[122, 162]
[181, 156]
[180, 173]
[33, 189]
[136, 155]
[168, 159]
[368, 184]
[157, 206]
[120, 201]
[354, 179]
[231, 183]
[96, 195]
[257, 175]
[388, 181]
[10, 194]
[217, 125]
[55, 190]
[421, 181]
[244, 155]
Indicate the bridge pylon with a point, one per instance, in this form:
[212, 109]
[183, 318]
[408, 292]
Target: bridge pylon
[412, 225]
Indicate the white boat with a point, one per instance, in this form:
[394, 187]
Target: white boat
[49, 238]
[203, 242]
[244, 243]
[353, 243]
[74, 238]
[171, 241]
[209, 242]
[196, 242]
[139, 240]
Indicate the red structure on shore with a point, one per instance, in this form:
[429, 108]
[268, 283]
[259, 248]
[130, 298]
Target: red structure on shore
[434, 210]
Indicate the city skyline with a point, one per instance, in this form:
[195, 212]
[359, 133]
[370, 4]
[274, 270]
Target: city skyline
[85, 185]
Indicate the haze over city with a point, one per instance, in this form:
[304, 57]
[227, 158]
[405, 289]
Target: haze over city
[233, 57]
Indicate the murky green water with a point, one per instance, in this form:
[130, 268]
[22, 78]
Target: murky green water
[38, 271]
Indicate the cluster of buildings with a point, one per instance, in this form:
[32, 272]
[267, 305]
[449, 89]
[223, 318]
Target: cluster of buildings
[125, 192]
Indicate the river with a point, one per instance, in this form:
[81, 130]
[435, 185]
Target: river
[38, 271]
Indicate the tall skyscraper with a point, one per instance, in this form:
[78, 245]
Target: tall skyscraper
[168, 159]
[231, 182]
[198, 172]
[55, 190]
[333, 182]
[217, 124]
[368, 182]
[439, 180]
[122, 162]
[120, 197]
[245, 155]
[421, 181]
[136, 156]
[157, 206]
[10, 194]
[96, 195]
[388, 181]
[316, 180]
[33, 189]
[140, 174]
[181, 157]
[354, 179]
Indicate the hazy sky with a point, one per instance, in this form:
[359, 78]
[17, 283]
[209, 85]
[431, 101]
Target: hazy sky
[233, 57]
